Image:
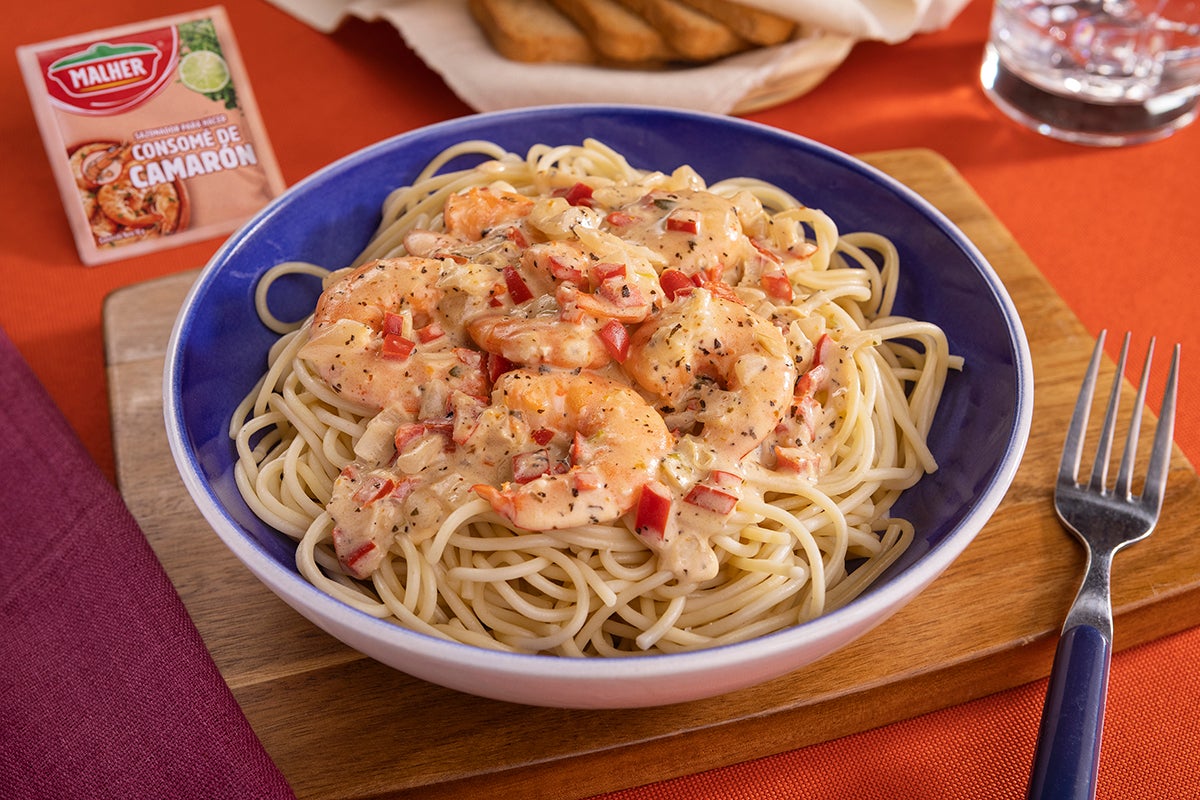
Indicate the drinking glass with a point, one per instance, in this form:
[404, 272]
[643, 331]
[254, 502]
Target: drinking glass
[1097, 72]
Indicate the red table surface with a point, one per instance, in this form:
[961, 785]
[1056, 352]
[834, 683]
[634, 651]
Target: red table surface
[1115, 231]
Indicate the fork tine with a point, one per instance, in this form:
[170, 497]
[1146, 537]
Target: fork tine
[1124, 488]
[1104, 446]
[1068, 468]
[1164, 433]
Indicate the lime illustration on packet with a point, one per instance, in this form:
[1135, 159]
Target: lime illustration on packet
[152, 132]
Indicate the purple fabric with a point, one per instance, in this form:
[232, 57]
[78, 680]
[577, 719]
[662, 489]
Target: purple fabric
[106, 689]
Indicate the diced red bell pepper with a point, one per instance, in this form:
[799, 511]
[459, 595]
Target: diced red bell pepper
[653, 511]
[565, 272]
[497, 365]
[578, 195]
[777, 285]
[725, 479]
[372, 489]
[351, 560]
[607, 269]
[825, 350]
[430, 332]
[713, 283]
[406, 433]
[410, 431]
[542, 436]
[683, 222]
[811, 381]
[616, 340]
[620, 219]
[675, 283]
[517, 237]
[496, 295]
[710, 498]
[396, 346]
[442, 428]
[404, 488]
[796, 460]
[518, 290]
[393, 323]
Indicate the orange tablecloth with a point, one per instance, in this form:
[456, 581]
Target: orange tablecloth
[1114, 231]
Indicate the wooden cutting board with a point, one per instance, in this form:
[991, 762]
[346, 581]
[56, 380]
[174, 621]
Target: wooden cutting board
[341, 725]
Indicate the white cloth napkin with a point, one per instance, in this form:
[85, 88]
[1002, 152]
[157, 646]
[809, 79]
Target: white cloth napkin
[444, 36]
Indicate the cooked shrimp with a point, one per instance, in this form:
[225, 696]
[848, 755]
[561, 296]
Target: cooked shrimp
[696, 232]
[711, 361]
[367, 294]
[539, 334]
[385, 333]
[615, 441]
[531, 326]
[470, 215]
[573, 298]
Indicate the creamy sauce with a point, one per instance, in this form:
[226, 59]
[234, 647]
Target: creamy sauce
[611, 382]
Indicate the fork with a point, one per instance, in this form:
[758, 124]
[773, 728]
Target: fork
[1105, 520]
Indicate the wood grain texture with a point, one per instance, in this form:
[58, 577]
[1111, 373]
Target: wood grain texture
[341, 725]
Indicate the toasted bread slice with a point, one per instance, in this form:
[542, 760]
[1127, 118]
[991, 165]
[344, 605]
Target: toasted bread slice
[693, 35]
[532, 31]
[615, 32]
[753, 24]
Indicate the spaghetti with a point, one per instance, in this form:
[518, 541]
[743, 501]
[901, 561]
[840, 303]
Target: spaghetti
[562, 405]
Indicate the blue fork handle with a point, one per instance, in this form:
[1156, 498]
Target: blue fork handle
[1068, 746]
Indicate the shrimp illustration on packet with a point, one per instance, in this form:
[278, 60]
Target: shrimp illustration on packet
[152, 132]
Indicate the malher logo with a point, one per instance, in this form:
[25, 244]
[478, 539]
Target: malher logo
[113, 76]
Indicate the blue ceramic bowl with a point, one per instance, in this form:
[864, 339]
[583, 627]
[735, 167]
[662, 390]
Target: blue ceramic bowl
[218, 350]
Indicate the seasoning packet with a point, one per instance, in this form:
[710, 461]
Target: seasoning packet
[153, 133]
